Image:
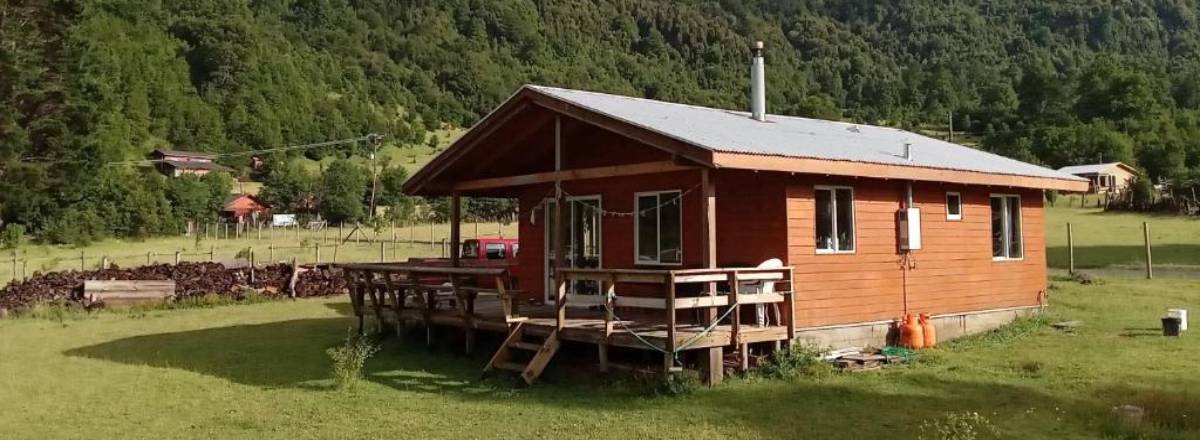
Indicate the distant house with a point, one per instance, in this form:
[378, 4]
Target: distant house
[1104, 177]
[175, 163]
[243, 208]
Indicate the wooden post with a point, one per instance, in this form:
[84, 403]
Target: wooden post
[431, 235]
[14, 261]
[412, 234]
[736, 327]
[1070, 249]
[1149, 256]
[24, 269]
[443, 251]
[335, 252]
[455, 227]
[324, 233]
[82, 264]
[212, 254]
[177, 255]
[317, 253]
[560, 238]
[104, 262]
[148, 257]
[251, 264]
[295, 275]
[237, 230]
[382, 250]
[258, 230]
[477, 229]
[392, 227]
[712, 362]
[297, 231]
[669, 356]
[271, 253]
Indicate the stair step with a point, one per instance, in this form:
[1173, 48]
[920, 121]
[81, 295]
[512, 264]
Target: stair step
[511, 366]
[525, 346]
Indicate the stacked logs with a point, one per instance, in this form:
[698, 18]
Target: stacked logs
[191, 280]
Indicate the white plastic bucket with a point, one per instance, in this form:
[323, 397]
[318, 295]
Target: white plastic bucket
[1181, 314]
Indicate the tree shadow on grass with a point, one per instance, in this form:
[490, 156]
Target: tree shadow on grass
[292, 354]
[1090, 257]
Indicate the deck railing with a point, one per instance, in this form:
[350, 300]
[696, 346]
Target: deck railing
[670, 303]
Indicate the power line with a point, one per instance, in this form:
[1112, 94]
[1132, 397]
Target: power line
[364, 138]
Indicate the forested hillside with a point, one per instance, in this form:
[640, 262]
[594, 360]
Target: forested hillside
[84, 83]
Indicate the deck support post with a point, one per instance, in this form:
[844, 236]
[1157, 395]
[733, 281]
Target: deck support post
[669, 349]
[560, 237]
[712, 362]
[455, 227]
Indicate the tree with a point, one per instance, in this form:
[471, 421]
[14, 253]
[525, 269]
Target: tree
[288, 187]
[343, 188]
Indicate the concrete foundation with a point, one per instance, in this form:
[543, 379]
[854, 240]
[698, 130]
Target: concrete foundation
[881, 333]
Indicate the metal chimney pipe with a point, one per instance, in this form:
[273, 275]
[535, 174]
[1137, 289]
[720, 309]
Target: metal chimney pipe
[758, 84]
[907, 152]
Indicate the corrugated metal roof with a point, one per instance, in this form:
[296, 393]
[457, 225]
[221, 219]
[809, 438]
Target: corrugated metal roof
[1089, 169]
[735, 132]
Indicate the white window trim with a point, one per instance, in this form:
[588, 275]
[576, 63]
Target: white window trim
[853, 219]
[637, 260]
[1020, 218]
[954, 217]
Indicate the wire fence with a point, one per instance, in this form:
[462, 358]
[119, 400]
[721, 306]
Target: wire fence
[244, 244]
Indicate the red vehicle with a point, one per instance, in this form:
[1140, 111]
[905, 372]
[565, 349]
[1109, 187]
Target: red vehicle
[490, 249]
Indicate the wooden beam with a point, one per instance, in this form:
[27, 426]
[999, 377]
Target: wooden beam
[665, 166]
[712, 362]
[888, 171]
[455, 228]
[560, 237]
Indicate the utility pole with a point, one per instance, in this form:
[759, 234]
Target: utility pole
[951, 125]
[374, 140]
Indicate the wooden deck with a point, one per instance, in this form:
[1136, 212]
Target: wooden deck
[477, 299]
[589, 326]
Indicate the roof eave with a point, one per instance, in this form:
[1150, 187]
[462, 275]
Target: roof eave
[892, 171]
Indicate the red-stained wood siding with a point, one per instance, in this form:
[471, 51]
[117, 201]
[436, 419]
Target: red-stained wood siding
[954, 269]
[617, 195]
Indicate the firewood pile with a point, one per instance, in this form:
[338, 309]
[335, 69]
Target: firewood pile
[191, 280]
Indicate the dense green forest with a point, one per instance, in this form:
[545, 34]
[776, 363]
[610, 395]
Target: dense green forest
[86, 83]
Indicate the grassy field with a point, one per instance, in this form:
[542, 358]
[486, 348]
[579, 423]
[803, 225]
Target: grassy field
[1115, 240]
[285, 242]
[259, 371]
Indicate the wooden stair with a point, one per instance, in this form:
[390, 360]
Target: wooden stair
[515, 347]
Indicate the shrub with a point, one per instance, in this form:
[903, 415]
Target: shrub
[801, 360]
[958, 426]
[349, 358]
[12, 235]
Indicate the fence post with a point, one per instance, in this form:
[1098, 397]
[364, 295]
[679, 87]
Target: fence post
[251, 264]
[24, 269]
[382, 250]
[206, 230]
[237, 231]
[177, 257]
[412, 234]
[212, 254]
[335, 252]
[270, 252]
[443, 248]
[1149, 257]
[317, 252]
[148, 257]
[104, 262]
[1070, 249]
[431, 235]
[325, 233]
[476, 229]
[392, 226]
[297, 231]
[14, 265]
[82, 263]
[258, 230]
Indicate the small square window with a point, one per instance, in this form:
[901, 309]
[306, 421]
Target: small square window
[953, 206]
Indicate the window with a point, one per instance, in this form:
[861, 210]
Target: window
[658, 226]
[953, 206]
[470, 249]
[495, 251]
[1006, 227]
[835, 219]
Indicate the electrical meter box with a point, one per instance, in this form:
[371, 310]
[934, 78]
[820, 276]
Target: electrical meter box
[908, 223]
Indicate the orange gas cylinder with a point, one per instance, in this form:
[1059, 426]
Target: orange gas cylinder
[929, 331]
[911, 334]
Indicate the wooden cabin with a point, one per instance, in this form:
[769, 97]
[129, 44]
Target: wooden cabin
[175, 163]
[1104, 178]
[244, 208]
[753, 229]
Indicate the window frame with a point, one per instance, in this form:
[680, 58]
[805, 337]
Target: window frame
[1007, 240]
[853, 220]
[637, 225]
[954, 217]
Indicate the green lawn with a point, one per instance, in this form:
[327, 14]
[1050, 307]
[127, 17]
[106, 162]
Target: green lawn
[1115, 240]
[259, 371]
